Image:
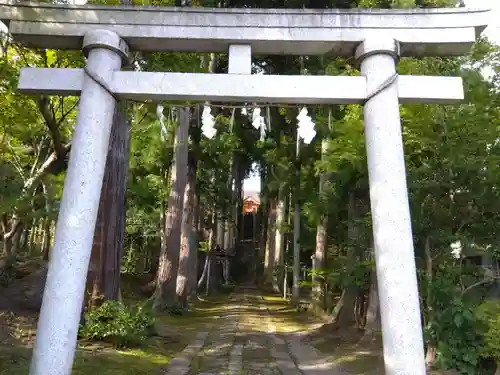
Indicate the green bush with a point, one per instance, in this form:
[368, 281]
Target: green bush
[117, 324]
[452, 326]
[176, 309]
[458, 343]
[488, 316]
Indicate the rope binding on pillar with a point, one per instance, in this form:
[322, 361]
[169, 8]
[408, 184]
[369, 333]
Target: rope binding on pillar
[100, 81]
[383, 86]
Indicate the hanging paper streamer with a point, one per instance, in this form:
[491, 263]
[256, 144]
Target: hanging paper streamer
[263, 132]
[161, 117]
[208, 122]
[305, 125]
[259, 123]
[257, 118]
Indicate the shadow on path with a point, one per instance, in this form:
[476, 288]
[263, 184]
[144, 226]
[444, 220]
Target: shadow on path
[255, 335]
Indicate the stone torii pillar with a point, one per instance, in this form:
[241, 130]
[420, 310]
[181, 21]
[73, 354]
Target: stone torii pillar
[65, 286]
[378, 37]
[392, 233]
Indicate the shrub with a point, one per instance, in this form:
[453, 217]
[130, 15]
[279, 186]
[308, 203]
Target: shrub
[459, 345]
[488, 316]
[176, 309]
[117, 324]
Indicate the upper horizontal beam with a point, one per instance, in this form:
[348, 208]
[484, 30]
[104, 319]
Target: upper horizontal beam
[241, 88]
[421, 32]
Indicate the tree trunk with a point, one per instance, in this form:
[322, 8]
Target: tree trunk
[155, 260]
[166, 279]
[204, 273]
[279, 242]
[318, 291]
[270, 244]
[195, 239]
[193, 262]
[32, 236]
[373, 325]
[186, 256]
[228, 224]
[264, 211]
[211, 236]
[23, 242]
[237, 209]
[210, 273]
[338, 307]
[296, 227]
[346, 316]
[103, 279]
[11, 241]
[46, 244]
[431, 351]
[46, 241]
[220, 234]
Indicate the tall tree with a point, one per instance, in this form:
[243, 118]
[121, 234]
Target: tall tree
[103, 279]
[187, 250]
[166, 279]
[320, 252]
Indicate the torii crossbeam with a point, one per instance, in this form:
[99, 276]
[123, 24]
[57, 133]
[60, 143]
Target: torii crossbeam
[376, 38]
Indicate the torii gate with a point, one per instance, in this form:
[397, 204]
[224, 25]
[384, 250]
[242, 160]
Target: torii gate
[376, 38]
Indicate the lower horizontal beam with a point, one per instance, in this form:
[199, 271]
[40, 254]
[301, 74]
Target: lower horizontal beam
[240, 88]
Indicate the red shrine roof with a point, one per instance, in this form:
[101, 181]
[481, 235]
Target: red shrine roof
[251, 201]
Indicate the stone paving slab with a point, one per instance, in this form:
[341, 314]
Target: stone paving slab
[181, 364]
[310, 361]
[215, 355]
[246, 343]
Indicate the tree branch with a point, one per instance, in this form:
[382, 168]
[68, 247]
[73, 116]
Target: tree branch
[44, 105]
[479, 283]
[45, 168]
[15, 161]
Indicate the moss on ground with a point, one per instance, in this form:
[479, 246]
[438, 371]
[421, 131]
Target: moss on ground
[204, 314]
[150, 359]
[346, 349]
[343, 347]
[287, 319]
[17, 333]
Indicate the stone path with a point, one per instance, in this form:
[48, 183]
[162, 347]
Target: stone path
[246, 343]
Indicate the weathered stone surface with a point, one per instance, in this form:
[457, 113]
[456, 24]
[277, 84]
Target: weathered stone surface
[254, 88]
[181, 364]
[421, 32]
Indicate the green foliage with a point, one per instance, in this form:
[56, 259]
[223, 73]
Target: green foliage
[488, 316]
[360, 275]
[452, 157]
[452, 326]
[117, 324]
[204, 246]
[459, 346]
[175, 309]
